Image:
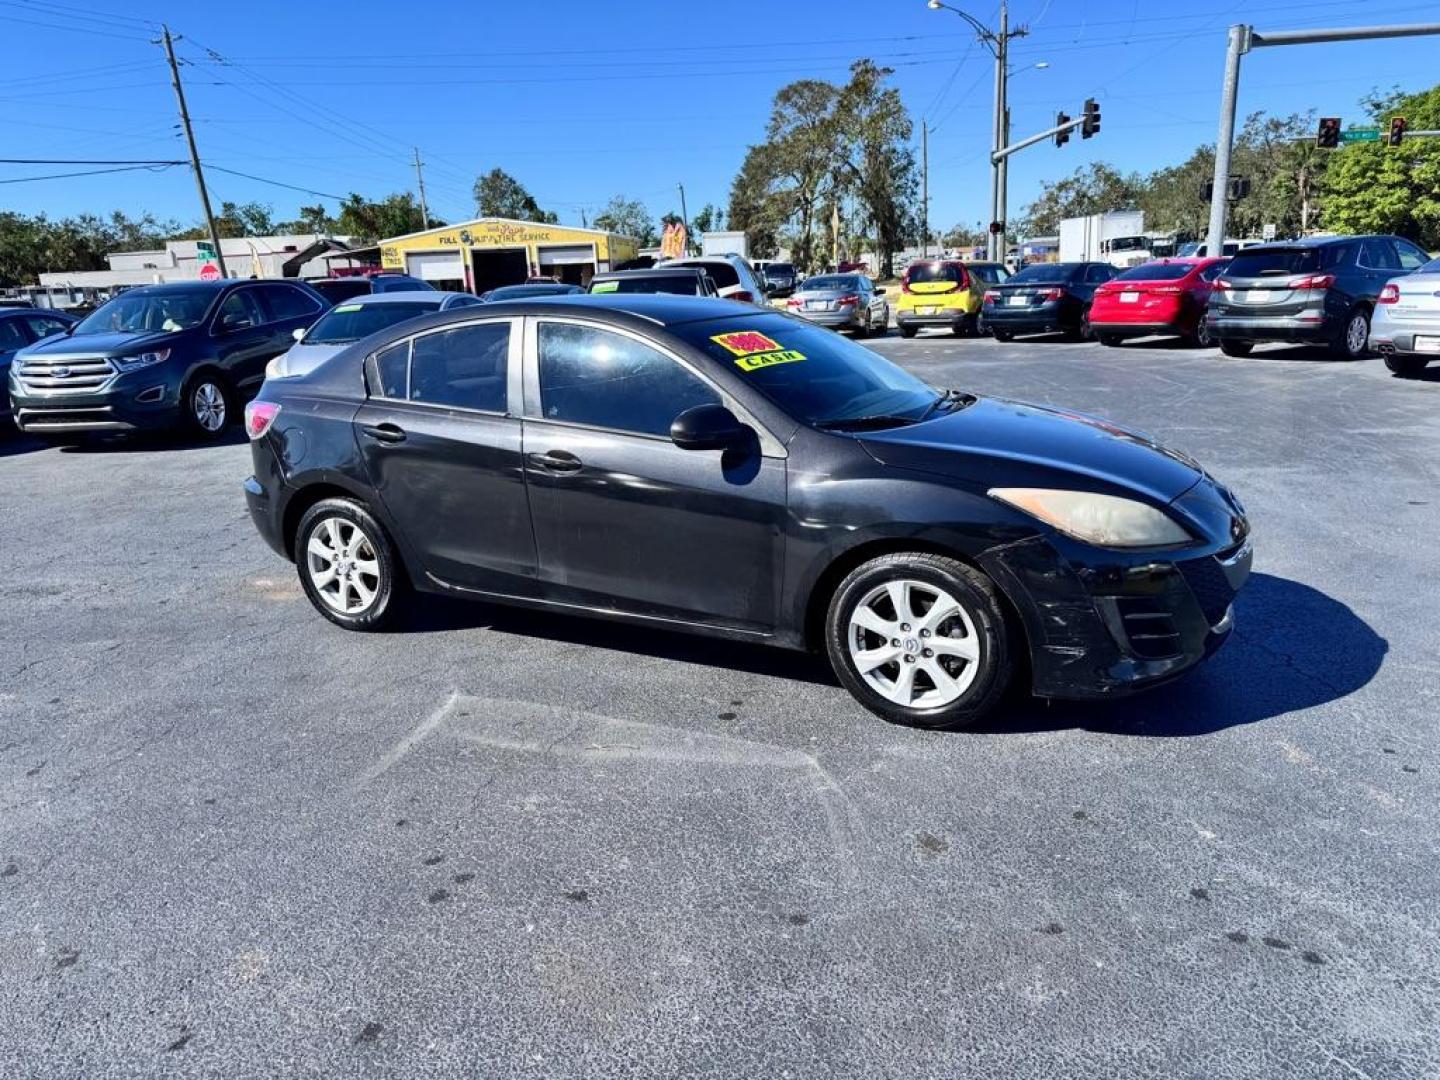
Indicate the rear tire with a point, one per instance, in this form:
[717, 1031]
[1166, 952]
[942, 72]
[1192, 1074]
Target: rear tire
[948, 620]
[1112, 340]
[1201, 338]
[908, 331]
[348, 567]
[1407, 367]
[1354, 336]
[1002, 335]
[1236, 348]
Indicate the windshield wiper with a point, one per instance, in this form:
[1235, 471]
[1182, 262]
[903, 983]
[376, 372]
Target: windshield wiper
[864, 423]
[958, 398]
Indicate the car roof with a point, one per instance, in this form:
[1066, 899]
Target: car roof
[654, 271]
[174, 287]
[1313, 241]
[411, 296]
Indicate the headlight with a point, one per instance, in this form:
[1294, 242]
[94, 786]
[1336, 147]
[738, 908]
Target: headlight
[143, 360]
[1103, 520]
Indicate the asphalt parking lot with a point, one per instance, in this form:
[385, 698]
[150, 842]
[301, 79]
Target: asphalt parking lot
[237, 841]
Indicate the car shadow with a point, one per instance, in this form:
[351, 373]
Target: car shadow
[13, 442]
[437, 614]
[1293, 648]
[159, 441]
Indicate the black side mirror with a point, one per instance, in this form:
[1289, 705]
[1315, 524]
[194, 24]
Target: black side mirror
[230, 323]
[708, 427]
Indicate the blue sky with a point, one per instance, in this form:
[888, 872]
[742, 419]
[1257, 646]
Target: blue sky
[584, 100]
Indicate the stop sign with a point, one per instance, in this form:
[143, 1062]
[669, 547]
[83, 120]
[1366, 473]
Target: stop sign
[209, 272]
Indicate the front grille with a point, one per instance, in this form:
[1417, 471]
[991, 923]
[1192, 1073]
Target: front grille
[62, 373]
[1149, 628]
[1211, 587]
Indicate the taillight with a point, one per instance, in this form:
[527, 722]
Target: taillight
[1051, 294]
[848, 301]
[991, 296]
[1165, 289]
[792, 302]
[1314, 281]
[259, 415]
[1223, 284]
[905, 281]
[1390, 294]
[743, 296]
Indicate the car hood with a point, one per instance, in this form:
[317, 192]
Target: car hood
[115, 344]
[301, 359]
[998, 442]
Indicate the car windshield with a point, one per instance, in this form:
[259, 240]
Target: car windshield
[678, 284]
[780, 269]
[843, 282]
[812, 374]
[518, 292]
[1155, 272]
[337, 289]
[1044, 274]
[143, 313]
[351, 322]
[1273, 262]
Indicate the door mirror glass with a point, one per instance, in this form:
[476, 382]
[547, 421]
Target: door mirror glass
[708, 427]
[298, 333]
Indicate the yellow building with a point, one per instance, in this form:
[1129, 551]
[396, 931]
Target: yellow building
[475, 256]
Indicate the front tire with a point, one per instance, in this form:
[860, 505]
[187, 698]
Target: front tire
[208, 406]
[1111, 340]
[348, 567]
[920, 639]
[908, 331]
[1236, 349]
[1407, 367]
[1002, 335]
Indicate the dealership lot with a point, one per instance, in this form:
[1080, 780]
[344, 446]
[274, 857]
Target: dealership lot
[235, 840]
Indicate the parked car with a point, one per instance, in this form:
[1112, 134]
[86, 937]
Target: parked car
[945, 294]
[1200, 249]
[160, 356]
[1320, 290]
[347, 288]
[1166, 296]
[852, 266]
[692, 464]
[1045, 298]
[529, 290]
[20, 327]
[732, 275]
[842, 302]
[780, 279]
[676, 280]
[347, 323]
[1405, 329]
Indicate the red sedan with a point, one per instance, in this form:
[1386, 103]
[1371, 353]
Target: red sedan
[1167, 296]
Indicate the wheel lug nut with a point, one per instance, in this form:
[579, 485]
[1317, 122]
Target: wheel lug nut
[928, 653]
[924, 633]
[895, 643]
[909, 659]
[905, 626]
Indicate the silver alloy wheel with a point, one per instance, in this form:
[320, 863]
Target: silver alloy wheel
[1356, 334]
[342, 565]
[208, 403]
[914, 644]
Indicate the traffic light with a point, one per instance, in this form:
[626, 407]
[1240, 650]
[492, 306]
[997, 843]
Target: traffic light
[1397, 130]
[1091, 124]
[1239, 187]
[1328, 137]
[1062, 137]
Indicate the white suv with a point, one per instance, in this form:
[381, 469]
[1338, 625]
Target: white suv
[733, 276]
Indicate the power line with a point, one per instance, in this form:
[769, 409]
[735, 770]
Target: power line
[275, 183]
[86, 161]
[91, 172]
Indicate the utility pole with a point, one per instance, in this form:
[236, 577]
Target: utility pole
[1243, 39]
[684, 214]
[924, 189]
[420, 180]
[194, 154]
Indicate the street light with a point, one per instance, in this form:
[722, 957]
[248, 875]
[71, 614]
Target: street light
[998, 42]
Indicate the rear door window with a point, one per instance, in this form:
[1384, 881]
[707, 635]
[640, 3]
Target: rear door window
[43, 326]
[288, 303]
[1098, 273]
[463, 368]
[603, 379]
[239, 312]
[1378, 254]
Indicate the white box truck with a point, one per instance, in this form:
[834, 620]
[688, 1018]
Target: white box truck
[1117, 237]
[724, 243]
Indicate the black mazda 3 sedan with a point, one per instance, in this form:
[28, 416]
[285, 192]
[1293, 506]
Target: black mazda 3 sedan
[701, 465]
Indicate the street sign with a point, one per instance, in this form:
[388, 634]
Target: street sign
[1268, 232]
[209, 272]
[1360, 135]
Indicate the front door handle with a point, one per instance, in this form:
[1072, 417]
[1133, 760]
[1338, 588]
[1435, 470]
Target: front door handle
[386, 432]
[557, 461]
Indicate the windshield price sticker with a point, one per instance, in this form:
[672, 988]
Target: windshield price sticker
[754, 350]
[348, 307]
[605, 286]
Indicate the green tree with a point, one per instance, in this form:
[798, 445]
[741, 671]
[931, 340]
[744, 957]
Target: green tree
[627, 217]
[498, 194]
[876, 163]
[1090, 189]
[1376, 188]
[394, 215]
[709, 218]
[754, 208]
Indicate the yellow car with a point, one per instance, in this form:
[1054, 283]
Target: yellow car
[945, 293]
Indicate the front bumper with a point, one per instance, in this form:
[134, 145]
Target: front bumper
[1299, 330]
[145, 406]
[1101, 627]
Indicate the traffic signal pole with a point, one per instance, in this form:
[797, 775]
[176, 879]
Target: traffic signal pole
[1244, 38]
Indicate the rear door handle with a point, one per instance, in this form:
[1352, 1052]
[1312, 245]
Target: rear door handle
[558, 461]
[386, 432]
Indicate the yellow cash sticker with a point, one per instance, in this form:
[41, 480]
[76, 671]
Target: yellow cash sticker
[764, 360]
